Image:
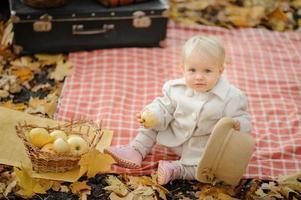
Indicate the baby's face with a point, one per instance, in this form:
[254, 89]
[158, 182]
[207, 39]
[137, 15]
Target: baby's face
[201, 73]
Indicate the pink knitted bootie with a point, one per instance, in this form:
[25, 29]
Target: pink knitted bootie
[126, 156]
[168, 171]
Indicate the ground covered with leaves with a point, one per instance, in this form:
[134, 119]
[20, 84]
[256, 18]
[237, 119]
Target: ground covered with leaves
[33, 84]
[278, 15]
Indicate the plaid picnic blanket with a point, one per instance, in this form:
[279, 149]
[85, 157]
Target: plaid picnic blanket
[115, 84]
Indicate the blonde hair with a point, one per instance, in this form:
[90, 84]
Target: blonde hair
[209, 45]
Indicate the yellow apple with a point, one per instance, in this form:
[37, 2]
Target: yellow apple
[58, 134]
[61, 146]
[48, 148]
[39, 137]
[78, 146]
[74, 135]
[148, 119]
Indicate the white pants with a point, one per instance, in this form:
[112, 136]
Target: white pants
[145, 141]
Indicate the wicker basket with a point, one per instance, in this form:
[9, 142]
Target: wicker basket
[43, 161]
[46, 3]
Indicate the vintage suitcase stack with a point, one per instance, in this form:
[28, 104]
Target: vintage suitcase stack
[87, 25]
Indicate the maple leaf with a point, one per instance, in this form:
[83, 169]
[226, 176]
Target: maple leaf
[48, 59]
[29, 186]
[209, 192]
[27, 62]
[78, 187]
[116, 186]
[291, 181]
[137, 181]
[22, 73]
[141, 193]
[95, 162]
[44, 106]
[62, 70]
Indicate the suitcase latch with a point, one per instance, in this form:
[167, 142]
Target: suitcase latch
[43, 24]
[140, 20]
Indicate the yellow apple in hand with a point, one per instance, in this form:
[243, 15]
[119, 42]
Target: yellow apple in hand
[39, 137]
[148, 119]
[78, 146]
[61, 146]
[58, 134]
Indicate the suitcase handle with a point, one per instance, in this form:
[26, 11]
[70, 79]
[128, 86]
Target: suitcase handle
[79, 29]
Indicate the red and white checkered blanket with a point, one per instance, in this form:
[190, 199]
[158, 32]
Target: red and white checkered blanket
[115, 84]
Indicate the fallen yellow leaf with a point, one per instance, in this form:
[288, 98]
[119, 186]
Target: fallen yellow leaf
[27, 62]
[78, 187]
[29, 186]
[116, 186]
[48, 59]
[62, 70]
[96, 162]
[22, 73]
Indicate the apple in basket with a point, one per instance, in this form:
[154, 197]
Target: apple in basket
[78, 145]
[58, 134]
[48, 148]
[61, 146]
[39, 137]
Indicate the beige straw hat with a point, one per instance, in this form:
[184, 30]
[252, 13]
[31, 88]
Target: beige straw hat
[226, 155]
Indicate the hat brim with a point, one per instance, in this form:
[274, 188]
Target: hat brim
[226, 154]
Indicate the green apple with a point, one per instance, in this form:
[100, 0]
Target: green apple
[78, 146]
[61, 146]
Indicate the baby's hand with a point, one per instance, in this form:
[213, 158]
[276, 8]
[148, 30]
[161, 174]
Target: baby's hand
[236, 125]
[147, 119]
[138, 117]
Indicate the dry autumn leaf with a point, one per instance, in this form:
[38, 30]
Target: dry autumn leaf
[143, 193]
[62, 70]
[8, 35]
[26, 61]
[140, 193]
[214, 193]
[291, 181]
[136, 181]
[78, 187]
[48, 59]
[116, 186]
[95, 162]
[22, 73]
[245, 16]
[29, 186]
[44, 106]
